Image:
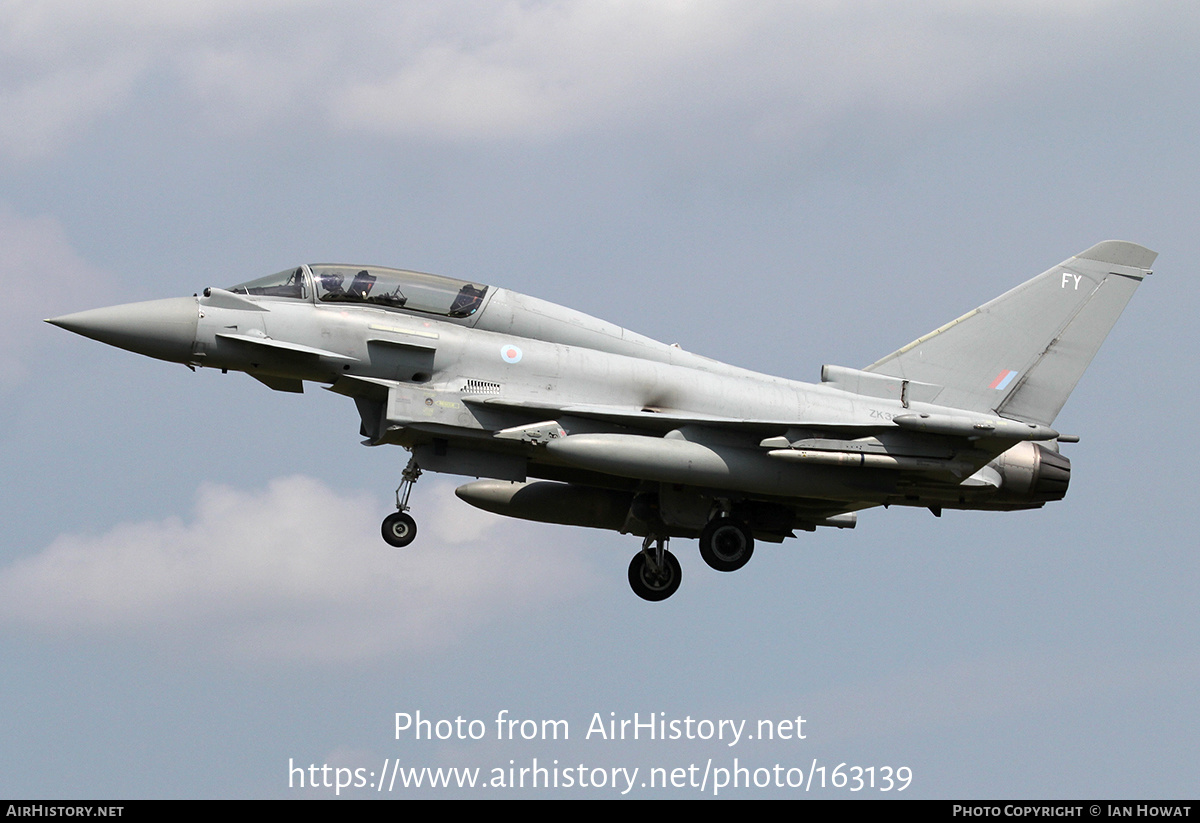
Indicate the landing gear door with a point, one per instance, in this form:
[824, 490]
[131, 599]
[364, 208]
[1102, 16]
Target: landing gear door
[456, 458]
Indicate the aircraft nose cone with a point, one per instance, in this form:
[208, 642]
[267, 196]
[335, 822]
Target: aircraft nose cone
[165, 329]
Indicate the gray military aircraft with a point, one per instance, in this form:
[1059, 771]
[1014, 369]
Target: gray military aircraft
[625, 433]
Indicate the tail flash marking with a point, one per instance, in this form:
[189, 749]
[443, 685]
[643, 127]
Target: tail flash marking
[1003, 379]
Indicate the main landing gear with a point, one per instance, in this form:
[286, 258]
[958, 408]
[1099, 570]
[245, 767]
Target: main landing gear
[726, 544]
[654, 573]
[399, 528]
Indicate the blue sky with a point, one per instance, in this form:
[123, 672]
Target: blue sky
[193, 592]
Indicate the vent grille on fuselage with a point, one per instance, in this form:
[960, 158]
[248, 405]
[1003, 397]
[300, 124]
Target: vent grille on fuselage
[480, 387]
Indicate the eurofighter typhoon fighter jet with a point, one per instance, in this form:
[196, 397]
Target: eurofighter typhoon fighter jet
[568, 419]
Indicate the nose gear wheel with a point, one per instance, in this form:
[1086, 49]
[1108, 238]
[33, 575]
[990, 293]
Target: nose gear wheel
[654, 573]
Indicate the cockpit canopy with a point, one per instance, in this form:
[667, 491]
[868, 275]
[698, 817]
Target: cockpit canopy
[374, 285]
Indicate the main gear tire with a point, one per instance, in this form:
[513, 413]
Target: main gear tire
[726, 544]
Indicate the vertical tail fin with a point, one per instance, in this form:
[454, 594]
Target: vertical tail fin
[1021, 354]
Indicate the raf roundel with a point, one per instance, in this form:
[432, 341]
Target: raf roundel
[510, 353]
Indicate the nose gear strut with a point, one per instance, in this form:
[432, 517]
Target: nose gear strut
[654, 573]
[399, 528]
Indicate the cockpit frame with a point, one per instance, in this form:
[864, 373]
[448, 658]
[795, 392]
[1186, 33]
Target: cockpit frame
[378, 286]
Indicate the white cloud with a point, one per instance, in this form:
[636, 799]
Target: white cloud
[64, 65]
[297, 570]
[41, 276]
[780, 71]
[481, 71]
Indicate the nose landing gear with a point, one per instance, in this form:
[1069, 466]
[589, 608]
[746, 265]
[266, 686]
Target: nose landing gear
[399, 528]
[654, 573]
